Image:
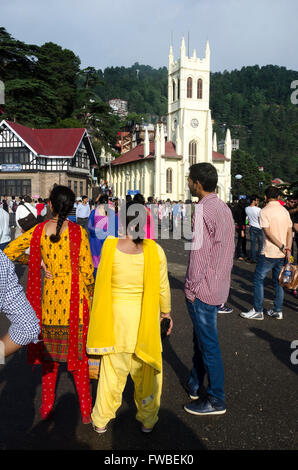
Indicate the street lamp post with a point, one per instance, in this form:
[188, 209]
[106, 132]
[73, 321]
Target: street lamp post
[238, 178]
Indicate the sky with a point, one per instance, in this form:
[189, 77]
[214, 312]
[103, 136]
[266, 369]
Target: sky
[111, 33]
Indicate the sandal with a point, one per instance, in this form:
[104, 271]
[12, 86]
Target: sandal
[99, 430]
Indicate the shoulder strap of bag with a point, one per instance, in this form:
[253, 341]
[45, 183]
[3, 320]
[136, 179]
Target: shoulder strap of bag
[29, 209]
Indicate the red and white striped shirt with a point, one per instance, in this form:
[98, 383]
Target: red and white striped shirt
[208, 275]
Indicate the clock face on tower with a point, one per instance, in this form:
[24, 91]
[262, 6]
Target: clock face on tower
[194, 123]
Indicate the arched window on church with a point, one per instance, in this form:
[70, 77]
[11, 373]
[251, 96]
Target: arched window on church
[178, 89]
[192, 152]
[174, 90]
[169, 180]
[200, 89]
[189, 87]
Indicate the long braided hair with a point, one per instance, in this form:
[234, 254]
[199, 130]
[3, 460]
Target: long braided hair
[62, 199]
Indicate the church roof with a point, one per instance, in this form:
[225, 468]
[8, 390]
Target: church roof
[216, 157]
[137, 153]
[51, 142]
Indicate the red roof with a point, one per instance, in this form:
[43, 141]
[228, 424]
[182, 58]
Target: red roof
[49, 142]
[219, 157]
[137, 153]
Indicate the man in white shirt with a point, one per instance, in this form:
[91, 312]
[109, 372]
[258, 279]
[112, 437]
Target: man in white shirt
[255, 230]
[22, 211]
[5, 236]
[83, 212]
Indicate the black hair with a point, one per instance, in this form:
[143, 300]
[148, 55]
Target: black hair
[62, 199]
[104, 199]
[139, 199]
[136, 230]
[205, 174]
[254, 197]
[272, 192]
[27, 199]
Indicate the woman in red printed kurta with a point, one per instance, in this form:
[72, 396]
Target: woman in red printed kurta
[63, 307]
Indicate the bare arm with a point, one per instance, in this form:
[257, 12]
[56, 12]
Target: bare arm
[10, 346]
[287, 249]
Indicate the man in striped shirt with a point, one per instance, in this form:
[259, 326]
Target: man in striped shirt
[207, 286]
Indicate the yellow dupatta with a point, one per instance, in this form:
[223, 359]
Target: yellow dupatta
[100, 338]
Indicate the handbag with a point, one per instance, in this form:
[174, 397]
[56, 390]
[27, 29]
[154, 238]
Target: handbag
[28, 222]
[293, 282]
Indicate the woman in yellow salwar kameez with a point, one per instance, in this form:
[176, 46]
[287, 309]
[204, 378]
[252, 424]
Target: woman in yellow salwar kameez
[63, 306]
[131, 295]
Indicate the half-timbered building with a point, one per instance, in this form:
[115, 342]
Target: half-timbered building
[33, 160]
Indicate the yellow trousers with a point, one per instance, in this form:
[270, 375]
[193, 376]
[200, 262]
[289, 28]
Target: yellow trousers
[114, 370]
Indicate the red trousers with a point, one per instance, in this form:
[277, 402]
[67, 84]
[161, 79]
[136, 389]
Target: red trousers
[82, 382]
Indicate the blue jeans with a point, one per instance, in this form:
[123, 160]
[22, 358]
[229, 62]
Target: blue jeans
[256, 235]
[207, 356]
[264, 265]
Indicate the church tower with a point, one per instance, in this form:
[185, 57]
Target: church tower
[189, 117]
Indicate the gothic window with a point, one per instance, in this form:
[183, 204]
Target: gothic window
[200, 89]
[178, 89]
[169, 180]
[174, 90]
[192, 152]
[189, 87]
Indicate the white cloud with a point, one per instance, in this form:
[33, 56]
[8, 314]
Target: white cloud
[113, 33]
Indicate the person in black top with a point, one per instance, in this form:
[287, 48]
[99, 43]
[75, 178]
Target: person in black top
[240, 217]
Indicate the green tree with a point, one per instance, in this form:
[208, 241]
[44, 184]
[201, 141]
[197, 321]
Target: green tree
[253, 180]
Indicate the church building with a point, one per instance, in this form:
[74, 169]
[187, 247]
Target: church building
[160, 168]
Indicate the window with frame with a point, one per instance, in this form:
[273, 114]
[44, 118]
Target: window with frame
[178, 89]
[200, 89]
[192, 153]
[75, 188]
[169, 180]
[10, 155]
[15, 187]
[81, 188]
[174, 90]
[189, 87]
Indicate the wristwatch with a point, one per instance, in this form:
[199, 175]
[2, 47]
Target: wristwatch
[282, 247]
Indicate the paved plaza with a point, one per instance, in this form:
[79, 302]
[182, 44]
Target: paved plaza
[261, 384]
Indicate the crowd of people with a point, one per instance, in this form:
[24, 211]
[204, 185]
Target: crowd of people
[106, 298]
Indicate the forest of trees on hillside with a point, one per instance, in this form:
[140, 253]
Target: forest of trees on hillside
[46, 87]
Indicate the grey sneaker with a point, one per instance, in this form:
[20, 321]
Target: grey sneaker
[273, 314]
[252, 315]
